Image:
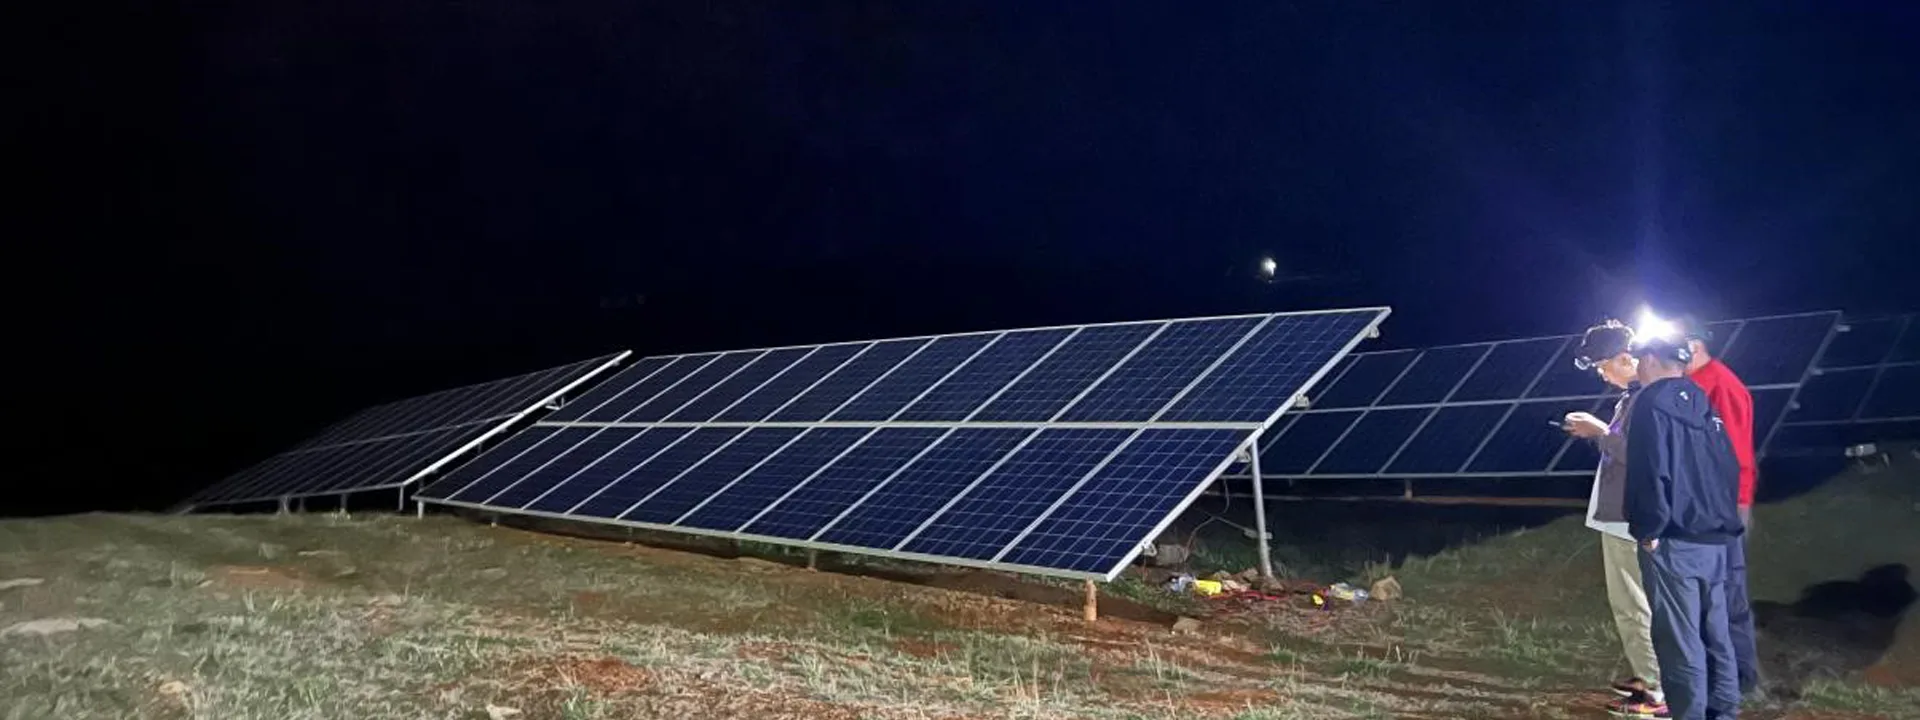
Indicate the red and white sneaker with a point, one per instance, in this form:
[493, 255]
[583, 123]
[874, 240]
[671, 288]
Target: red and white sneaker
[1639, 705]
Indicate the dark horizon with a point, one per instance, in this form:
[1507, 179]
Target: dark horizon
[260, 218]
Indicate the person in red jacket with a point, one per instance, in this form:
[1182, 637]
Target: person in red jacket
[1734, 404]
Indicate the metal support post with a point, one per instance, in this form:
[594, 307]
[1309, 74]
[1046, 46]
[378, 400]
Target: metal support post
[1260, 512]
[813, 559]
[1091, 609]
[419, 509]
[402, 507]
[283, 506]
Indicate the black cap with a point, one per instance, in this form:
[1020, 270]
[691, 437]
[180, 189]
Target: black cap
[1602, 341]
[1671, 347]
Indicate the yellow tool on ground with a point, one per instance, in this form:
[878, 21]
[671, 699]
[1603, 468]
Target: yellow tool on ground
[1207, 587]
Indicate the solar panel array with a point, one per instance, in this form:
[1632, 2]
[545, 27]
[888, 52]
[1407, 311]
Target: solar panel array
[1871, 373]
[395, 444]
[1483, 410]
[1056, 451]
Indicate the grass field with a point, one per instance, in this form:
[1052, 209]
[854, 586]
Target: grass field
[375, 616]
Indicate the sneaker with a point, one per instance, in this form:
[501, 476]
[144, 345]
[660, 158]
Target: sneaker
[1639, 705]
[1629, 687]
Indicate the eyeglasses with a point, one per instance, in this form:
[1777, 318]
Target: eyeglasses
[1587, 364]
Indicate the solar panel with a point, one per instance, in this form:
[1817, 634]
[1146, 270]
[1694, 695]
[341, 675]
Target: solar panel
[1483, 409]
[1054, 450]
[396, 444]
[1865, 387]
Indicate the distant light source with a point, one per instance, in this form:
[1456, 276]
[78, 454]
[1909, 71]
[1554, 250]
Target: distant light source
[1268, 267]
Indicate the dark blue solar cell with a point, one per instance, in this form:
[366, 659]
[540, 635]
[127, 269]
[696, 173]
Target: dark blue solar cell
[630, 390]
[1775, 351]
[1434, 375]
[1564, 380]
[1866, 342]
[1002, 504]
[962, 392]
[1047, 388]
[1506, 373]
[703, 480]
[1293, 451]
[513, 395]
[1908, 347]
[1159, 371]
[773, 478]
[1449, 437]
[637, 447]
[447, 408]
[1262, 377]
[1832, 395]
[1103, 523]
[1897, 395]
[415, 453]
[562, 468]
[856, 375]
[912, 378]
[273, 477]
[1525, 443]
[905, 502]
[1768, 406]
[1372, 442]
[748, 379]
[843, 483]
[639, 483]
[478, 480]
[263, 479]
[702, 380]
[1362, 383]
[790, 384]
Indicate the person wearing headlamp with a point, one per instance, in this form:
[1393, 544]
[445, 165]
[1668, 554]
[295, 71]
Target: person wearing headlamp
[1734, 403]
[1606, 351]
[1682, 507]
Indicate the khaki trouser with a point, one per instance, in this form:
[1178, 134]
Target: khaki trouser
[1631, 614]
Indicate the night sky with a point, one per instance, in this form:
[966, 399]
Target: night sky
[246, 219]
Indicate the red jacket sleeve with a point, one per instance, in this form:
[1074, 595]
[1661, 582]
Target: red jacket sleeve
[1730, 398]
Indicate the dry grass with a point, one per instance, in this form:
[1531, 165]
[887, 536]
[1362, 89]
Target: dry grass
[326, 616]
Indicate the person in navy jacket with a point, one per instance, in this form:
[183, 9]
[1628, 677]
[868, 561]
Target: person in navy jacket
[1682, 507]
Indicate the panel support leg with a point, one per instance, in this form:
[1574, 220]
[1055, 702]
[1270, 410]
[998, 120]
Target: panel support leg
[813, 559]
[1260, 512]
[303, 504]
[419, 509]
[1091, 607]
[402, 507]
[283, 506]
[1408, 494]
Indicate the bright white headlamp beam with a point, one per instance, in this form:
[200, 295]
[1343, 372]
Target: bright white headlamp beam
[1651, 326]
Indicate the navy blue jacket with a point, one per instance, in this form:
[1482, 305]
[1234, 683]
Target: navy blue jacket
[1683, 481]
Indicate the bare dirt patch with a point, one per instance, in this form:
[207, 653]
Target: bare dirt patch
[603, 675]
[256, 577]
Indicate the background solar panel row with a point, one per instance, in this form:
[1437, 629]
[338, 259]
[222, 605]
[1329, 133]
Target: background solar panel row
[1056, 450]
[393, 444]
[1484, 409]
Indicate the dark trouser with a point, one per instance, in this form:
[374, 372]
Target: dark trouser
[1687, 587]
[1740, 617]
